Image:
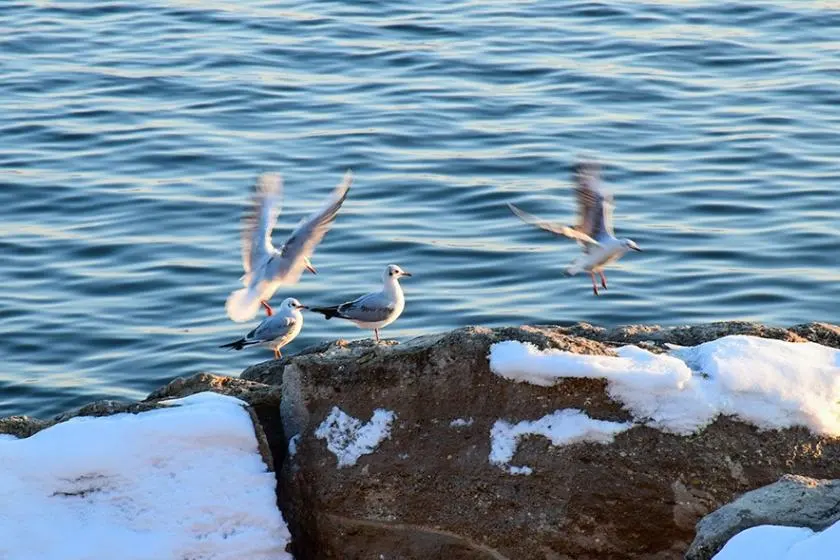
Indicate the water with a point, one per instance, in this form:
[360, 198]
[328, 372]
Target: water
[130, 134]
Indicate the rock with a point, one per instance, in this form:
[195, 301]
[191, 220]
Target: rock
[428, 490]
[793, 501]
[21, 426]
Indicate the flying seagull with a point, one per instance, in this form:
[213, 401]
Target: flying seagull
[594, 231]
[375, 310]
[276, 330]
[267, 268]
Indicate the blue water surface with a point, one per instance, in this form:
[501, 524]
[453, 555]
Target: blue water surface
[131, 132]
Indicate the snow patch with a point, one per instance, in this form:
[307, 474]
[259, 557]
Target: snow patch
[461, 423]
[562, 427]
[770, 383]
[348, 439]
[293, 443]
[185, 481]
[772, 542]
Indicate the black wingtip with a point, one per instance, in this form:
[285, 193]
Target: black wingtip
[327, 312]
[235, 345]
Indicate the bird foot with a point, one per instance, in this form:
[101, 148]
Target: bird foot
[268, 310]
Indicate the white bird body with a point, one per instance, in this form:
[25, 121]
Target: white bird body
[268, 268]
[275, 331]
[594, 231]
[599, 256]
[374, 310]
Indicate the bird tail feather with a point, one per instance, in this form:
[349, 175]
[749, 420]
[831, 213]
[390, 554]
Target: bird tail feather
[235, 345]
[327, 312]
[243, 305]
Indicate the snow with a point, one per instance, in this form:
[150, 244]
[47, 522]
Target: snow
[771, 542]
[769, 383]
[562, 427]
[293, 443]
[185, 481]
[461, 423]
[348, 439]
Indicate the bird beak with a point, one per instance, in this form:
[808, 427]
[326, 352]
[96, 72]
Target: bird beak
[639, 249]
[404, 273]
[302, 307]
[310, 268]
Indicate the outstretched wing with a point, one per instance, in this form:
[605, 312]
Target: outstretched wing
[259, 221]
[556, 229]
[310, 231]
[594, 202]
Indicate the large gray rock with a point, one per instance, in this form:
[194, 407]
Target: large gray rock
[793, 501]
[429, 490]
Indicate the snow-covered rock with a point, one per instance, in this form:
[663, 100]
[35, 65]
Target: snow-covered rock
[431, 486]
[184, 480]
[804, 506]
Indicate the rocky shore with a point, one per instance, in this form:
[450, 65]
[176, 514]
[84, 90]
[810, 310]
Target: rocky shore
[381, 451]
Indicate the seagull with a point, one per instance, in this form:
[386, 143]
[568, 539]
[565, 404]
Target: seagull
[375, 310]
[267, 268]
[594, 232]
[276, 330]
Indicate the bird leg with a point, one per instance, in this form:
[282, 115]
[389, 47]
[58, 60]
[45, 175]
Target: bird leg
[603, 279]
[376, 335]
[277, 354]
[594, 285]
[268, 310]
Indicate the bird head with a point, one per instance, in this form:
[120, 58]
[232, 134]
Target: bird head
[292, 304]
[394, 271]
[630, 245]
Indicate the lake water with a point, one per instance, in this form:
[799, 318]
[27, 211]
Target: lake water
[131, 133]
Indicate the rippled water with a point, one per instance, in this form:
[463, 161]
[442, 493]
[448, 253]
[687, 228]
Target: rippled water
[130, 134]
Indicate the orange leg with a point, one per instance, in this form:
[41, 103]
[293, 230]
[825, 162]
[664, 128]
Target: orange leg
[277, 354]
[268, 310]
[603, 279]
[594, 285]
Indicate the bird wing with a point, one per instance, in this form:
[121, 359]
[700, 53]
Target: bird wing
[272, 328]
[554, 228]
[370, 308]
[259, 221]
[311, 230]
[594, 202]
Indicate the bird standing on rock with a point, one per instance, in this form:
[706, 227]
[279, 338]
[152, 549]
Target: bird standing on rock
[267, 268]
[276, 330]
[375, 310]
[594, 232]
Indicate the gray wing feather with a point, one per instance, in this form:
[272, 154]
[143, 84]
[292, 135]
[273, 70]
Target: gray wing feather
[551, 227]
[311, 230]
[594, 202]
[271, 328]
[369, 309]
[259, 221]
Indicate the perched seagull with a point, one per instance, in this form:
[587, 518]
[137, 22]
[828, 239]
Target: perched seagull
[267, 268]
[594, 232]
[276, 330]
[375, 310]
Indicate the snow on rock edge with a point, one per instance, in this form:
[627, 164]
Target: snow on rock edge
[770, 383]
